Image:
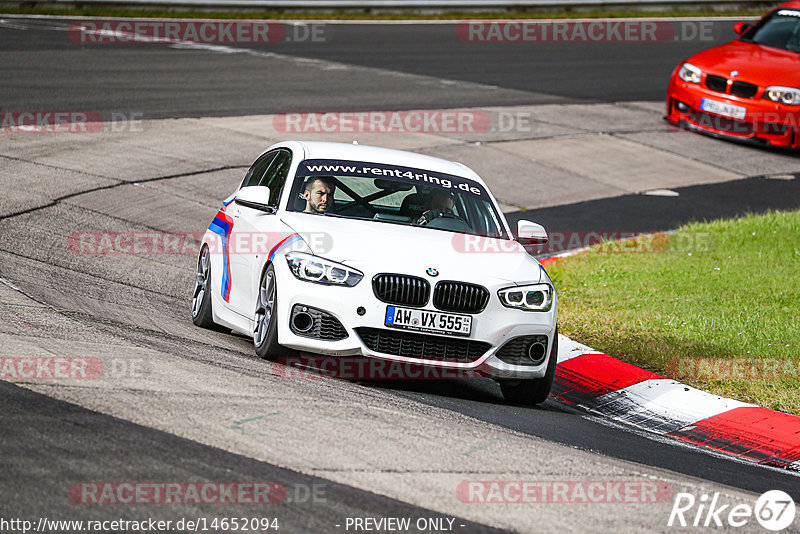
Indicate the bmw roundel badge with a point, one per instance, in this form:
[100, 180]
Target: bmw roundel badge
[432, 272]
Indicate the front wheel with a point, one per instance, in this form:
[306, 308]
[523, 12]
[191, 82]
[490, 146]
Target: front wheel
[265, 336]
[537, 390]
[201, 298]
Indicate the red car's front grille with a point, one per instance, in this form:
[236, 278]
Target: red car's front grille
[717, 83]
[743, 89]
[735, 87]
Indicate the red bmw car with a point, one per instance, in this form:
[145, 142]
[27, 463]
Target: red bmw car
[748, 89]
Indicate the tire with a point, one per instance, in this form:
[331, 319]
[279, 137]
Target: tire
[265, 335]
[537, 390]
[201, 298]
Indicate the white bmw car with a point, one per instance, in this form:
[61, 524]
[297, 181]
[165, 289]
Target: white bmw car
[349, 250]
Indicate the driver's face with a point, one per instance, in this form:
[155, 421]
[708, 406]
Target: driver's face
[319, 198]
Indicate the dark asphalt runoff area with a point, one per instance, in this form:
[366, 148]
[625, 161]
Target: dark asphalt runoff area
[50, 446]
[43, 68]
[555, 421]
[640, 213]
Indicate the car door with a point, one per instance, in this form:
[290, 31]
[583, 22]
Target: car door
[254, 229]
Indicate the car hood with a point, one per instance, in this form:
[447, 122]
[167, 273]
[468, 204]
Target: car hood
[757, 64]
[374, 247]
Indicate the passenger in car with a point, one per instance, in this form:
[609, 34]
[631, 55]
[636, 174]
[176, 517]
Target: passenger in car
[441, 200]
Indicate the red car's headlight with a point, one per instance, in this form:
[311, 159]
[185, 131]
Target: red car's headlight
[785, 95]
[689, 73]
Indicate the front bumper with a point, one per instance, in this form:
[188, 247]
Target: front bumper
[495, 325]
[765, 122]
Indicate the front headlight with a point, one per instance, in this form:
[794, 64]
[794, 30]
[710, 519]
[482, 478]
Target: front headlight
[785, 95]
[535, 297]
[689, 73]
[315, 269]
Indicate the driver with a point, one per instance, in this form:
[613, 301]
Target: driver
[318, 192]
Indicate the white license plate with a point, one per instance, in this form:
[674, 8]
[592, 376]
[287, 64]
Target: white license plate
[721, 108]
[428, 321]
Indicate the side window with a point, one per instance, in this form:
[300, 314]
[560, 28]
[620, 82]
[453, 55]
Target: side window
[275, 175]
[257, 170]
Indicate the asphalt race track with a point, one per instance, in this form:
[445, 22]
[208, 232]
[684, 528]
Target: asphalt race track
[180, 404]
[42, 67]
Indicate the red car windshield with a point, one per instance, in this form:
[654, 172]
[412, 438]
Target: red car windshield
[781, 29]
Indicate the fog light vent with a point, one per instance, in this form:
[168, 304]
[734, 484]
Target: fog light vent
[524, 350]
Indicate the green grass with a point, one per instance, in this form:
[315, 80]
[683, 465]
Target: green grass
[715, 305]
[367, 14]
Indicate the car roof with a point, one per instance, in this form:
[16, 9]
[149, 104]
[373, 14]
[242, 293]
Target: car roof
[795, 4]
[374, 154]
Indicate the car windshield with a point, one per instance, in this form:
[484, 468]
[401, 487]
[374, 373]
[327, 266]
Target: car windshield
[781, 29]
[395, 194]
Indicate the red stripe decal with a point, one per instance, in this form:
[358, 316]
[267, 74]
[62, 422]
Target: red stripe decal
[586, 377]
[756, 433]
[282, 241]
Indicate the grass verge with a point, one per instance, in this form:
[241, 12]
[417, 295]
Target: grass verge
[367, 14]
[715, 305]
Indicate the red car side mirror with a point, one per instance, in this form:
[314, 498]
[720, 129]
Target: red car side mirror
[740, 27]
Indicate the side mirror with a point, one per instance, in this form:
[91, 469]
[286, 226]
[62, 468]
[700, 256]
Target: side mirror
[530, 233]
[741, 27]
[254, 196]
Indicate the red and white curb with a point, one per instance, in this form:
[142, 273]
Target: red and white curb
[622, 392]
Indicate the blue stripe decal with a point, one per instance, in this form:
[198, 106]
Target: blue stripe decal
[222, 229]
